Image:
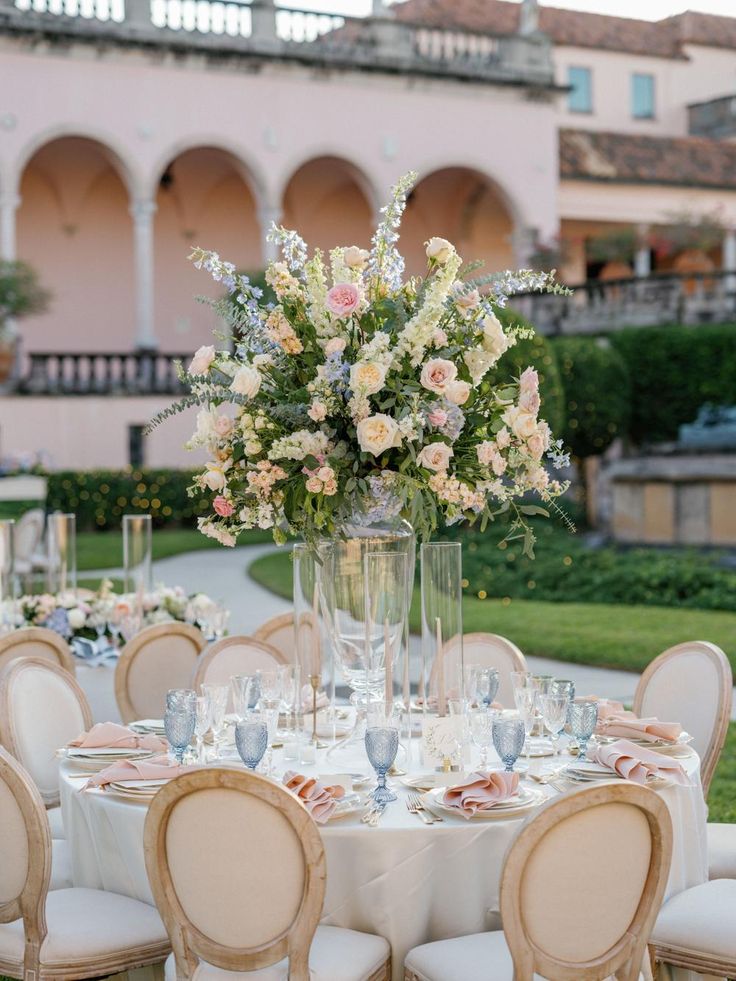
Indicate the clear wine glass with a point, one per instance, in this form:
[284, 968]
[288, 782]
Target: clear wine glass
[554, 715]
[526, 705]
[251, 740]
[290, 697]
[382, 745]
[508, 740]
[271, 688]
[202, 725]
[481, 732]
[218, 695]
[482, 684]
[245, 692]
[583, 720]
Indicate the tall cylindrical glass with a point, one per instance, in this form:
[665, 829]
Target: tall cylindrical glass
[61, 544]
[386, 613]
[7, 568]
[442, 628]
[313, 656]
[138, 555]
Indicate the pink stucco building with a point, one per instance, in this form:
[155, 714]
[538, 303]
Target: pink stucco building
[131, 130]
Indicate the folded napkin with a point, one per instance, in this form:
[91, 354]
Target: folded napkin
[156, 768]
[318, 799]
[607, 707]
[481, 792]
[637, 763]
[649, 729]
[110, 735]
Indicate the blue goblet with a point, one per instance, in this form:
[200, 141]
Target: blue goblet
[251, 739]
[583, 720]
[179, 726]
[508, 740]
[381, 745]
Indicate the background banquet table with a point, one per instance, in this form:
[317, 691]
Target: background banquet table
[407, 881]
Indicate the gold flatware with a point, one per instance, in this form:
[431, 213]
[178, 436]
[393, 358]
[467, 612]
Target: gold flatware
[418, 804]
[420, 812]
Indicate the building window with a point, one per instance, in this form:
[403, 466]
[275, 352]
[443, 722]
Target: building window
[136, 446]
[580, 98]
[642, 96]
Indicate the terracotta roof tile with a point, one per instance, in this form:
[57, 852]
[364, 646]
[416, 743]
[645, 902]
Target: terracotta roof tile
[635, 159]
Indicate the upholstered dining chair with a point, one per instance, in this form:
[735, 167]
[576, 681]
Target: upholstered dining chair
[490, 651]
[156, 659]
[67, 933]
[279, 632]
[234, 655]
[581, 887]
[203, 884]
[42, 708]
[36, 642]
[695, 930]
[692, 684]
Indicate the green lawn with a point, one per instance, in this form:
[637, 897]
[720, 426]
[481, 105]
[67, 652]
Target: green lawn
[104, 549]
[722, 796]
[605, 634]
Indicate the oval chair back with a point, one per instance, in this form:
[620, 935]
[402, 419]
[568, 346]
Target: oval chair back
[39, 642]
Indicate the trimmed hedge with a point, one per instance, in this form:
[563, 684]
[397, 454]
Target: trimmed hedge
[674, 371]
[597, 386]
[99, 498]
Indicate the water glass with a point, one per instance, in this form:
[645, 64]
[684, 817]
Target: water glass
[382, 745]
[583, 720]
[481, 732]
[554, 715]
[526, 704]
[561, 686]
[245, 692]
[203, 722]
[178, 697]
[508, 740]
[251, 739]
[482, 684]
[179, 725]
[218, 695]
[271, 688]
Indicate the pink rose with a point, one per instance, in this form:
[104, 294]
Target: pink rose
[223, 507]
[342, 299]
[203, 358]
[437, 374]
[529, 391]
[314, 485]
[223, 425]
[458, 392]
[435, 456]
[335, 345]
[503, 438]
[437, 418]
[535, 445]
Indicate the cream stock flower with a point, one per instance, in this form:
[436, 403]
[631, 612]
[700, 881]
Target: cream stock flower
[439, 249]
[377, 433]
[435, 456]
[367, 377]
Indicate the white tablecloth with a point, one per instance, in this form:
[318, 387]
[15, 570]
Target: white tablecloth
[406, 881]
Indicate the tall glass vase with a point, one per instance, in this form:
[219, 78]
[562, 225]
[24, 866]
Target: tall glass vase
[365, 598]
[137, 556]
[7, 574]
[442, 628]
[61, 542]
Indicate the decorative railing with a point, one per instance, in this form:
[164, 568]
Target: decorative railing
[260, 28]
[138, 373]
[658, 299]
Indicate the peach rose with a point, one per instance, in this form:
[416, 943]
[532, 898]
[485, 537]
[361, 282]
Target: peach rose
[203, 358]
[467, 301]
[458, 392]
[367, 377]
[325, 474]
[314, 485]
[522, 424]
[377, 433]
[437, 374]
[223, 425]
[435, 456]
[535, 445]
[223, 507]
[335, 345]
[343, 299]
[529, 391]
[439, 249]
[503, 438]
[355, 258]
[330, 488]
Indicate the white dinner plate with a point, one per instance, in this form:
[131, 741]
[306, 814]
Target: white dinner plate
[587, 770]
[106, 753]
[657, 744]
[147, 726]
[526, 797]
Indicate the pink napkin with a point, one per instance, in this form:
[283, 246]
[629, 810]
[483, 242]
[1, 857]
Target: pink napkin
[607, 707]
[319, 800]
[637, 763]
[481, 791]
[156, 768]
[628, 725]
[114, 736]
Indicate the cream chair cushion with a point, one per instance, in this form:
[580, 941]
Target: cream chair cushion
[61, 865]
[722, 851]
[700, 919]
[480, 955]
[56, 822]
[85, 925]
[335, 955]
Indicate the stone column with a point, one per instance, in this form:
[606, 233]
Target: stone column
[643, 258]
[9, 204]
[263, 21]
[142, 212]
[729, 258]
[267, 215]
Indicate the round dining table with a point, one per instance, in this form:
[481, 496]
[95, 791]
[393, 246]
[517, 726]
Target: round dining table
[403, 879]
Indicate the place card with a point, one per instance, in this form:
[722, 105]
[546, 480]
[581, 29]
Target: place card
[442, 737]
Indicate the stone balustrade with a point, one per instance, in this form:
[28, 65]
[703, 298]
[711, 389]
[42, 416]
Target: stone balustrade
[105, 373]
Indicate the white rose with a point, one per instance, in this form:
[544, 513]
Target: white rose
[77, 619]
[494, 340]
[214, 477]
[523, 424]
[439, 249]
[335, 345]
[377, 433]
[435, 456]
[367, 377]
[355, 258]
[437, 374]
[253, 447]
[458, 392]
[246, 382]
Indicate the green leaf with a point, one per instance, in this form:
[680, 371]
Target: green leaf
[534, 509]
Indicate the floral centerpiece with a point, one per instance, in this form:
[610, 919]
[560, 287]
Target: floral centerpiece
[360, 395]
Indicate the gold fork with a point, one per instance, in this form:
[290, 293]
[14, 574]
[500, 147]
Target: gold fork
[419, 808]
[420, 813]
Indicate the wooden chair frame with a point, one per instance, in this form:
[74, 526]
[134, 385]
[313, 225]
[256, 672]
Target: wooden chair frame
[709, 759]
[691, 960]
[40, 635]
[273, 625]
[212, 650]
[188, 943]
[8, 736]
[30, 905]
[480, 637]
[134, 647]
[625, 956]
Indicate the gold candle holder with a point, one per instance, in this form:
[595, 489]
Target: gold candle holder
[315, 741]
